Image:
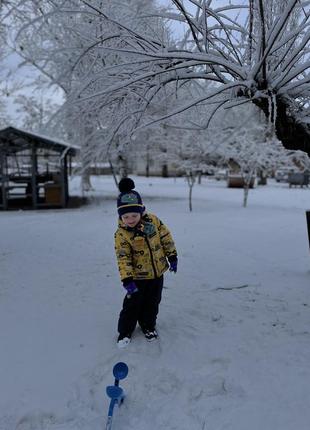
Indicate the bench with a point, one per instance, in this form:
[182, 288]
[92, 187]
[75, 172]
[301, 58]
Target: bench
[237, 181]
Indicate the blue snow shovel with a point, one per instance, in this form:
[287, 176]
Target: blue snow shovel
[120, 371]
[115, 392]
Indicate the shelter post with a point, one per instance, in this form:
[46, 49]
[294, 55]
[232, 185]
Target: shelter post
[3, 197]
[34, 170]
[308, 224]
[63, 181]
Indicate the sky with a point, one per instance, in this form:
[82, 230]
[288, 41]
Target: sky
[21, 79]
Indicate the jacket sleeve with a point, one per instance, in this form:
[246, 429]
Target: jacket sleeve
[124, 256]
[167, 241]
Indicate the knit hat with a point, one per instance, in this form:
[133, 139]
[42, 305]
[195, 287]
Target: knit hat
[128, 200]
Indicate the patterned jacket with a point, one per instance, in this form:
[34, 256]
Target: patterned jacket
[142, 251]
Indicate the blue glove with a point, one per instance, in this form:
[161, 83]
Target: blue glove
[173, 266]
[131, 288]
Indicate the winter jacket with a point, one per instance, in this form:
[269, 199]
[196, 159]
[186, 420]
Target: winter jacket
[142, 251]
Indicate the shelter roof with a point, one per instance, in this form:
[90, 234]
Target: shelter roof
[14, 140]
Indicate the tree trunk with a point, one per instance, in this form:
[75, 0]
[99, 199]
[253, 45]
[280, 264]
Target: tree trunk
[190, 198]
[245, 195]
[262, 177]
[85, 181]
[199, 177]
[122, 166]
[292, 134]
[164, 171]
[113, 173]
[247, 179]
[191, 182]
[147, 167]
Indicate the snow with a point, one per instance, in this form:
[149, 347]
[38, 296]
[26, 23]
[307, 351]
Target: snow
[234, 321]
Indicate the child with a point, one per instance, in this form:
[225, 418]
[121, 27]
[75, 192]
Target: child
[143, 246]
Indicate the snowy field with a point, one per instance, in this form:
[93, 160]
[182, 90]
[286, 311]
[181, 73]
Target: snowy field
[234, 348]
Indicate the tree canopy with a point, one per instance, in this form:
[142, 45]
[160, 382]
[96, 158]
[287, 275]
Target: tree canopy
[116, 61]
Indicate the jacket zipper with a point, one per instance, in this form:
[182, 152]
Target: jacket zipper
[153, 264]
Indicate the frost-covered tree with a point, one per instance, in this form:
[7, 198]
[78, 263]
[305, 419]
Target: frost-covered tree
[239, 139]
[76, 44]
[3, 116]
[35, 106]
[190, 152]
[3, 94]
[34, 113]
[115, 63]
[250, 155]
[256, 52]
[250, 149]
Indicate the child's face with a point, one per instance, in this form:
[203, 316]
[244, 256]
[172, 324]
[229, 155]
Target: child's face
[131, 219]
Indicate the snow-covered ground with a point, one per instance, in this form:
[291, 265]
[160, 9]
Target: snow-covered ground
[234, 345]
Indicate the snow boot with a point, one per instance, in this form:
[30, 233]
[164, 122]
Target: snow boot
[123, 340]
[151, 335]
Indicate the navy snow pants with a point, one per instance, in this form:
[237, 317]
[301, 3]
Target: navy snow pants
[141, 307]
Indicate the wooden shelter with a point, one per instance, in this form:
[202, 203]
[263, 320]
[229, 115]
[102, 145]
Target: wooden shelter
[33, 170]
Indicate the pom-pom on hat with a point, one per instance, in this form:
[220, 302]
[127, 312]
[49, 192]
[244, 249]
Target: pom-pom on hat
[128, 199]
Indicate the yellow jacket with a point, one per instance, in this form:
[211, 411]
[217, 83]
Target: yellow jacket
[142, 251]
